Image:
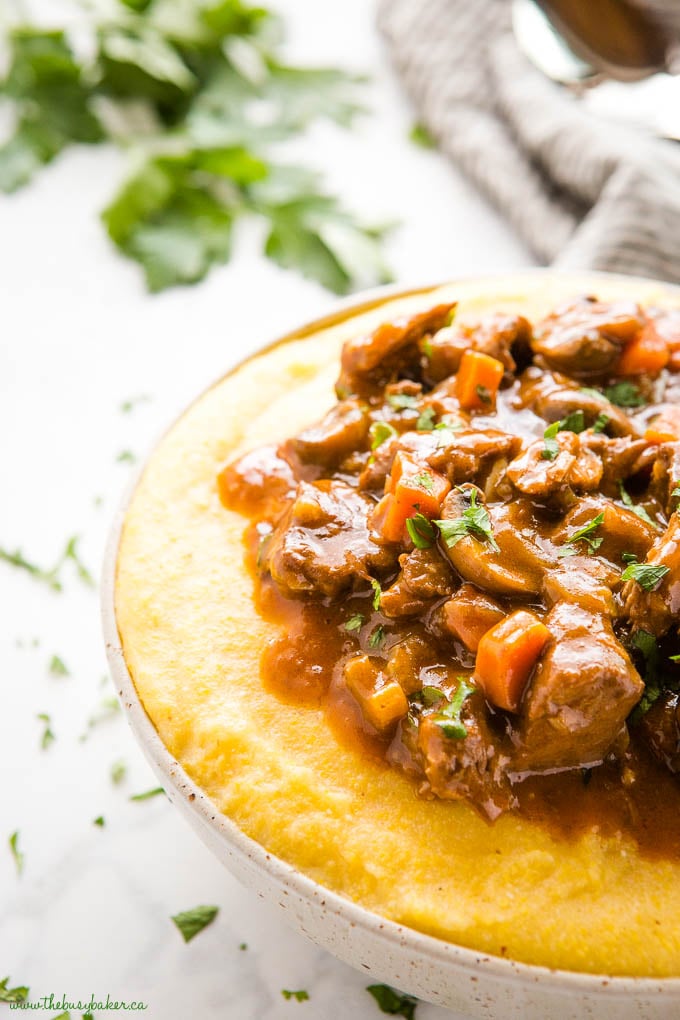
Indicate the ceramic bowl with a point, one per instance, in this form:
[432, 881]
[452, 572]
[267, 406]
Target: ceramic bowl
[440, 972]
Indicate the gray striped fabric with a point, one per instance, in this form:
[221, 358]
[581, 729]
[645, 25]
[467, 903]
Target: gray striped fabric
[584, 193]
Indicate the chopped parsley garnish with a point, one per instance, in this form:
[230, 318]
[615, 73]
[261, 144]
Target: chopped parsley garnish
[474, 521]
[192, 922]
[426, 419]
[243, 946]
[148, 794]
[99, 822]
[51, 577]
[57, 667]
[380, 432]
[674, 658]
[636, 508]
[430, 695]
[401, 401]
[355, 622]
[483, 394]
[584, 534]
[624, 394]
[551, 447]
[48, 735]
[574, 422]
[448, 718]
[16, 852]
[377, 593]
[392, 1002]
[109, 707]
[421, 531]
[300, 995]
[377, 637]
[426, 348]
[420, 136]
[675, 494]
[118, 772]
[424, 479]
[647, 644]
[127, 406]
[647, 575]
[601, 422]
[629, 557]
[126, 457]
[18, 994]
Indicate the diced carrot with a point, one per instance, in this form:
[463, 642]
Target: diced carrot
[506, 656]
[410, 489]
[646, 354]
[470, 613]
[381, 700]
[665, 428]
[477, 381]
[674, 361]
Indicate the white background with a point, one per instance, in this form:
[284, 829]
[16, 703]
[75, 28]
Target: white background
[79, 335]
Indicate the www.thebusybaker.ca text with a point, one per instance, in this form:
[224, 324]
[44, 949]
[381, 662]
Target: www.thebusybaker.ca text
[51, 1001]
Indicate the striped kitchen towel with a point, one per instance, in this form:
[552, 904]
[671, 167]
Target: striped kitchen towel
[584, 192]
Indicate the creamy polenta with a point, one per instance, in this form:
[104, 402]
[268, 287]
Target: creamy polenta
[192, 641]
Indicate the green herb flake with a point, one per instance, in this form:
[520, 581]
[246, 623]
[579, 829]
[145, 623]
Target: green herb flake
[17, 559]
[402, 401]
[354, 623]
[551, 447]
[377, 637]
[109, 708]
[474, 521]
[424, 479]
[118, 772]
[47, 735]
[584, 534]
[377, 593]
[300, 996]
[420, 136]
[426, 348]
[646, 643]
[18, 856]
[635, 507]
[7, 994]
[392, 1002]
[128, 406]
[647, 575]
[57, 667]
[601, 422]
[380, 432]
[99, 822]
[675, 494]
[148, 794]
[448, 718]
[430, 695]
[191, 922]
[426, 419]
[484, 394]
[126, 457]
[624, 394]
[243, 946]
[629, 557]
[421, 531]
[574, 422]
[674, 658]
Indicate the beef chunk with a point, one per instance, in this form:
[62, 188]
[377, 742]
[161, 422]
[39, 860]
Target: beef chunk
[660, 728]
[257, 483]
[585, 338]
[424, 576]
[659, 609]
[322, 546]
[582, 691]
[496, 335]
[343, 430]
[544, 478]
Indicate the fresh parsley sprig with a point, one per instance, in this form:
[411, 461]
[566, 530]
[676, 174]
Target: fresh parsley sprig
[585, 534]
[474, 521]
[648, 575]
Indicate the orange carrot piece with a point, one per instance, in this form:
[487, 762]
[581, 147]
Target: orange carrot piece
[477, 381]
[412, 488]
[674, 361]
[665, 428]
[506, 656]
[646, 354]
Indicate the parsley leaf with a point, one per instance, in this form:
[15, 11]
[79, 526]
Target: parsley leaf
[473, 521]
[448, 718]
[377, 637]
[58, 667]
[192, 922]
[647, 644]
[421, 531]
[424, 479]
[420, 136]
[551, 448]
[635, 507]
[118, 772]
[675, 494]
[647, 575]
[377, 593]
[355, 622]
[574, 422]
[380, 432]
[426, 419]
[393, 1002]
[624, 394]
[16, 852]
[601, 422]
[148, 794]
[400, 401]
[48, 735]
[584, 534]
[301, 995]
[99, 822]
[18, 994]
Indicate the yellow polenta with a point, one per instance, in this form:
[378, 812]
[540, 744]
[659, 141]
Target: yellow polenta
[192, 641]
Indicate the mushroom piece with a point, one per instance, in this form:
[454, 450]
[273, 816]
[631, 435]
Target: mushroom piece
[585, 338]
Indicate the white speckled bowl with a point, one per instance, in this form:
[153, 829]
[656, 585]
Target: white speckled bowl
[431, 969]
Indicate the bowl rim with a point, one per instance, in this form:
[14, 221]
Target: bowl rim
[196, 802]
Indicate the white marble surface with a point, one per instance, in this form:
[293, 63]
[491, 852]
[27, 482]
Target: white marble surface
[78, 335]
